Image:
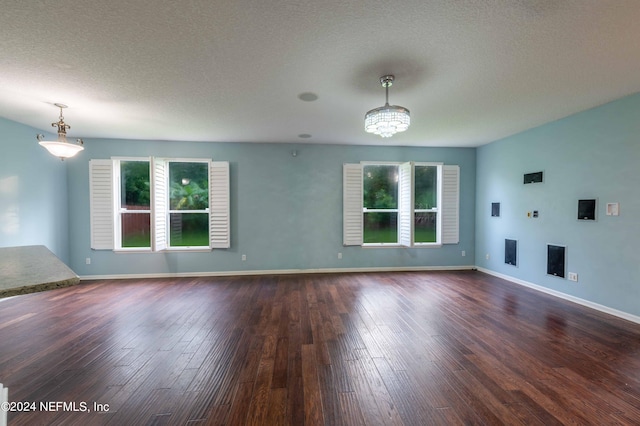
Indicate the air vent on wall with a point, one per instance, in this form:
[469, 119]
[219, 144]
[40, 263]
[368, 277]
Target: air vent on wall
[511, 252]
[556, 260]
[495, 209]
[533, 177]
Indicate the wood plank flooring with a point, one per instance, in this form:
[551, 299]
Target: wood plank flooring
[338, 349]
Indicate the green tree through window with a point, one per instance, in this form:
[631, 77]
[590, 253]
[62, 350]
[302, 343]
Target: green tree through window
[380, 202]
[425, 204]
[135, 183]
[188, 204]
[135, 204]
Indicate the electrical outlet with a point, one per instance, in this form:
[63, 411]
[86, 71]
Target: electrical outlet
[464, 253]
[87, 261]
[339, 255]
[244, 257]
[487, 256]
[573, 276]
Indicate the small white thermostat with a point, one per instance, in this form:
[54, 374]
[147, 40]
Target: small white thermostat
[613, 209]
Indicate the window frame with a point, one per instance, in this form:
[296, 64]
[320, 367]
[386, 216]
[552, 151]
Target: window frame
[396, 210]
[437, 209]
[119, 211]
[207, 210]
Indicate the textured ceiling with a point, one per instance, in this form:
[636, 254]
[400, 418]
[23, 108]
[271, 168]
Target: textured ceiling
[470, 71]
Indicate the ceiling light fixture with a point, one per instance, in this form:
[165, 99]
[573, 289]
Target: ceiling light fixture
[61, 148]
[387, 120]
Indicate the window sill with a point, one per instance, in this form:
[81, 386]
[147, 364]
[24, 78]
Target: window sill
[171, 250]
[186, 250]
[394, 245]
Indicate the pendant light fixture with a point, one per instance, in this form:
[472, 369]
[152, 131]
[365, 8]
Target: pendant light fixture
[61, 147]
[388, 119]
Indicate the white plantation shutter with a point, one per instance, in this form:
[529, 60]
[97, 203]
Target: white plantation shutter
[159, 192]
[352, 204]
[101, 204]
[219, 214]
[450, 204]
[406, 205]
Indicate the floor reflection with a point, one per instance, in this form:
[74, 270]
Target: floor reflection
[510, 304]
[556, 324]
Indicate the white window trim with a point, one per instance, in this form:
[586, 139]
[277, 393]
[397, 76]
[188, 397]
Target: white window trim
[167, 162]
[438, 242]
[117, 210]
[363, 164]
[437, 210]
[380, 163]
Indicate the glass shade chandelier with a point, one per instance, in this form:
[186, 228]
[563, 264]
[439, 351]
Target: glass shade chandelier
[387, 120]
[61, 147]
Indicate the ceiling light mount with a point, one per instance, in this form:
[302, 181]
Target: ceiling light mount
[61, 147]
[387, 81]
[387, 120]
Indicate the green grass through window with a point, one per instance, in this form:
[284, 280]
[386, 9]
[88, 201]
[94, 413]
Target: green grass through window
[390, 235]
[140, 240]
[194, 238]
[188, 239]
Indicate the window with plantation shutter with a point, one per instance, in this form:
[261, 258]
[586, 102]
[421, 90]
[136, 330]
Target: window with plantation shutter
[352, 204]
[159, 202]
[156, 204]
[427, 204]
[450, 204]
[220, 226]
[400, 204]
[188, 203]
[101, 204]
[133, 204]
[405, 221]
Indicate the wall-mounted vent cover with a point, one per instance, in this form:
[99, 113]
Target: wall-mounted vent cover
[511, 252]
[533, 177]
[495, 209]
[587, 209]
[555, 260]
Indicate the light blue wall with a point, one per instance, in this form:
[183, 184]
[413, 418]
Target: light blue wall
[33, 192]
[286, 212]
[594, 154]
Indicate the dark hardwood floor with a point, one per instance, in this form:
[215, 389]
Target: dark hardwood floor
[386, 348]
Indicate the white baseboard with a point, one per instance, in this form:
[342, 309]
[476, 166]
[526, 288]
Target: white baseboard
[587, 303]
[602, 308]
[275, 272]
